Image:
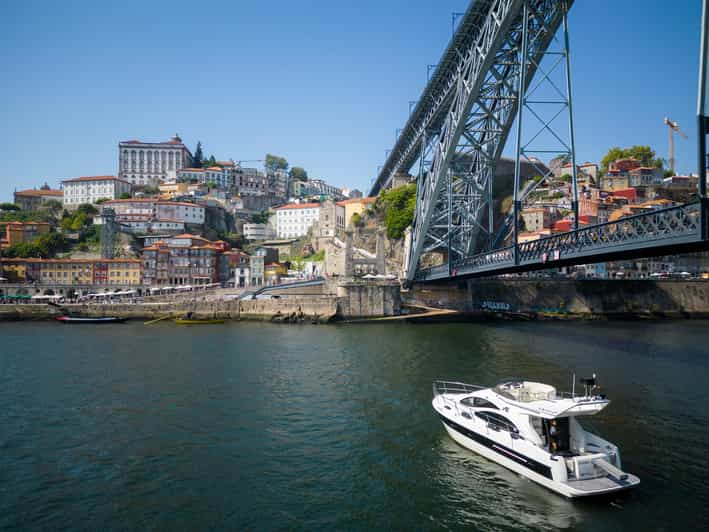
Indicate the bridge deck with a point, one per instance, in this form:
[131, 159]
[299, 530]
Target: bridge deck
[661, 232]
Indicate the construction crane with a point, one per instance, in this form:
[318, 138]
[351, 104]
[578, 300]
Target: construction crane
[674, 128]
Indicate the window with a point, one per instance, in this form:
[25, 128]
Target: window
[478, 402]
[498, 421]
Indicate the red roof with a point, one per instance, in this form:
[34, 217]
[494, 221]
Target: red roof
[95, 178]
[628, 193]
[365, 201]
[298, 206]
[39, 192]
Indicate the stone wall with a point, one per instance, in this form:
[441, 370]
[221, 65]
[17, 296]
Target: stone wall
[568, 297]
[315, 307]
[368, 299]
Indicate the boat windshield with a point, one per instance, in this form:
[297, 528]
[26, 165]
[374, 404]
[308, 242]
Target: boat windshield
[525, 391]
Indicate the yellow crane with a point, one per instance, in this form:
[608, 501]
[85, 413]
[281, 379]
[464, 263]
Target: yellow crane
[674, 128]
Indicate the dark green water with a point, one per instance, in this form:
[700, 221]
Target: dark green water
[269, 427]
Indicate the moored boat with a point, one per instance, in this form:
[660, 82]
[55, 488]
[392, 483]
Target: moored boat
[193, 321]
[80, 320]
[527, 427]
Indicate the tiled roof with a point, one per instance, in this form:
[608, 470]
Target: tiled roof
[95, 178]
[365, 201]
[298, 206]
[39, 192]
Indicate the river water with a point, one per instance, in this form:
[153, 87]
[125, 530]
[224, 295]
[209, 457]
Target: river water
[253, 426]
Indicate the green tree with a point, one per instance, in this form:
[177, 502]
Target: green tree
[87, 209]
[43, 247]
[298, 173]
[399, 206]
[198, 156]
[209, 162]
[567, 178]
[150, 190]
[9, 207]
[357, 220]
[53, 207]
[645, 154]
[124, 195]
[212, 184]
[275, 162]
[260, 217]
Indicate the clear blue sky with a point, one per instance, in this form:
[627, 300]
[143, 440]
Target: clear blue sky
[323, 83]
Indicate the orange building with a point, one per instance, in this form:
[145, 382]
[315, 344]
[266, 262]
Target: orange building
[18, 232]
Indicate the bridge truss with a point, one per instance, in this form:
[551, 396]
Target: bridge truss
[498, 74]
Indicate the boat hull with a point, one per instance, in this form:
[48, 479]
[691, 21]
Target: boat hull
[84, 321]
[531, 469]
[179, 321]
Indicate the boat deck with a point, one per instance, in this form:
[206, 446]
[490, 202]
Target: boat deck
[596, 486]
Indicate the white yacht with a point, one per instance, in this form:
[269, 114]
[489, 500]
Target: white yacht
[532, 430]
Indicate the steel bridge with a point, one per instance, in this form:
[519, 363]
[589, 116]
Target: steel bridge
[507, 70]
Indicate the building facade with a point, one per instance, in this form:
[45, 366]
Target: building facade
[12, 233]
[97, 273]
[294, 220]
[258, 232]
[91, 189]
[148, 163]
[156, 210]
[182, 260]
[33, 199]
[356, 206]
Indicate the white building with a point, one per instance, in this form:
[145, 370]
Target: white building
[294, 220]
[91, 189]
[148, 163]
[258, 232]
[154, 209]
[256, 269]
[222, 177]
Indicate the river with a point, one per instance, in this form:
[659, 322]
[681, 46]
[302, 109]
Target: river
[253, 426]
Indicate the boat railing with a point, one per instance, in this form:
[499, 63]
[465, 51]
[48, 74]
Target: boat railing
[451, 387]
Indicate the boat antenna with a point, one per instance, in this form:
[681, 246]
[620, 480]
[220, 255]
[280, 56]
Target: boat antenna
[573, 385]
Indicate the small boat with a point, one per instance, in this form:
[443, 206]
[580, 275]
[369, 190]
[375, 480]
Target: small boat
[527, 427]
[79, 320]
[195, 321]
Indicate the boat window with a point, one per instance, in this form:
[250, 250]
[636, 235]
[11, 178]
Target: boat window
[498, 421]
[477, 402]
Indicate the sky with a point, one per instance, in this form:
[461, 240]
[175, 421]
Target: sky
[323, 83]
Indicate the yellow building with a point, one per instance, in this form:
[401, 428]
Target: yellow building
[74, 272]
[18, 232]
[171, 190]
[355, 206]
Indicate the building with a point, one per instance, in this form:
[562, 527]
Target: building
[295, 220]
[182, 260]
[19, 232]
[646, 179]
[85, 273]
[536, 219]
[33, 199]
[269, 254]
[355, 206]
[258, 232]
[156, 210]
[274, 272]
[352, 193]
[148, 163]
[250, 182]
[215, 174]
[331, 219]
[91, 189]
[257, 270]
[319, 188]
[238, 268]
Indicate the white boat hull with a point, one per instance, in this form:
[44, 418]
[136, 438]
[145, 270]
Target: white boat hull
[571, 489]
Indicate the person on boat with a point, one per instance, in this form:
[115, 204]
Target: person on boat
[553, 435]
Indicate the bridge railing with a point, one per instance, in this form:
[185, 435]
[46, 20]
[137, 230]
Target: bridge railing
[672, 225]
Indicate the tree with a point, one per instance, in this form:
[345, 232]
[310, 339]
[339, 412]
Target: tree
[259, 218]
[212, 184]
[87, 209]
[274, 162]
[9, 207]
[567, 178]
[644, 154]
[399, 206]
[198, 155]
[53, 207]
[124, 195]
[298, 173]
[209, 162]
